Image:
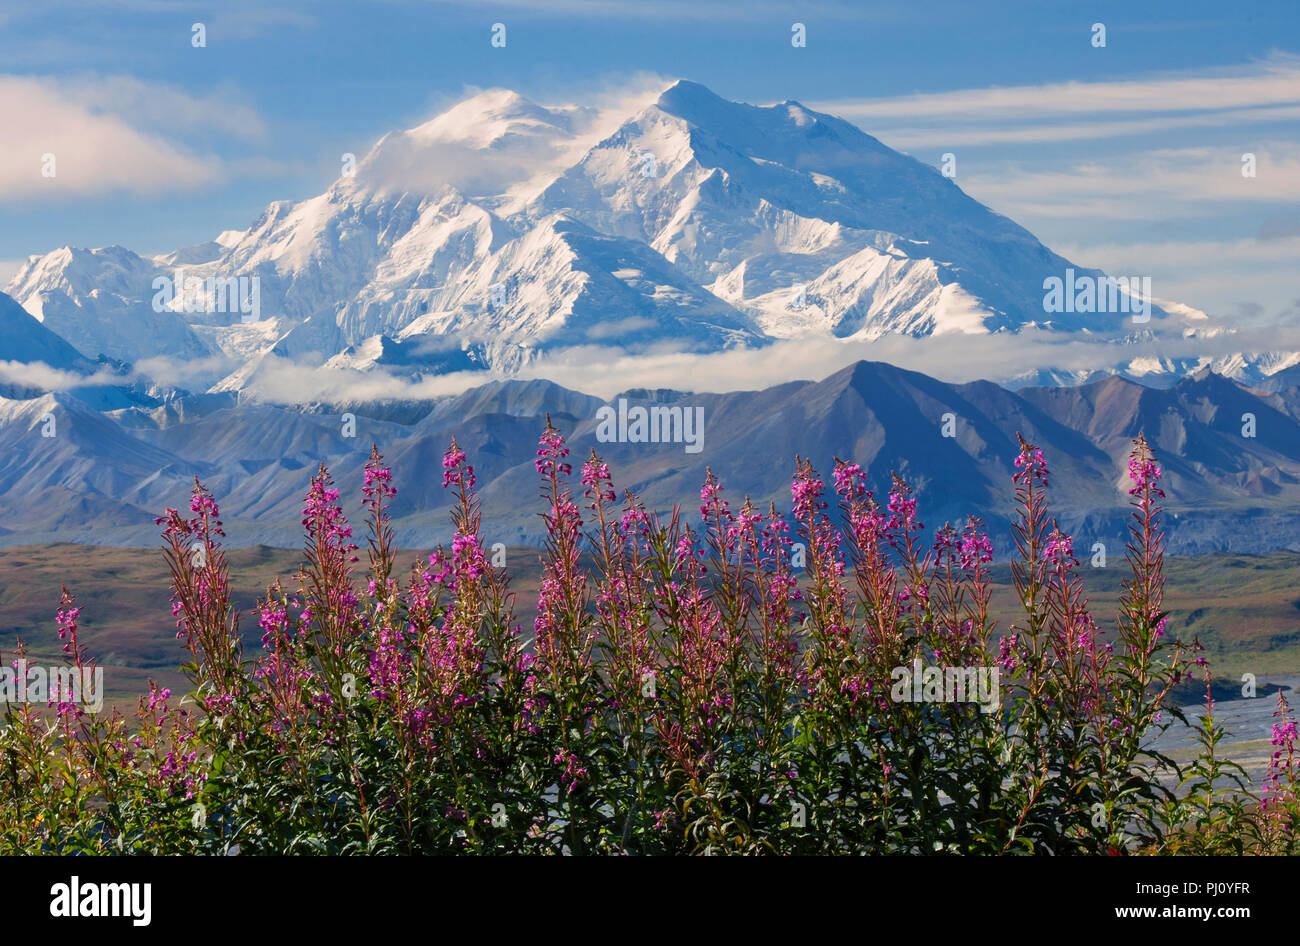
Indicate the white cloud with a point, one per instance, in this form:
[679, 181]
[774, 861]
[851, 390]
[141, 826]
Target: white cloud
[9, 269]
[98, 131]
[957, 359]
[605, 371]
[1190, 254]
[182, 372]
[41, 376]
[952, 135]
[1275, 81]
[1226, 277]
[280, 381]
[1098, 163]
[163, 109]
[1141, 185]
[494, 141]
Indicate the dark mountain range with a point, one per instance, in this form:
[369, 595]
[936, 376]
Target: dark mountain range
[103, 476]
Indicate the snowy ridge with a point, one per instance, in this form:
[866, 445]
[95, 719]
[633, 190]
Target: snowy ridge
[501, 230]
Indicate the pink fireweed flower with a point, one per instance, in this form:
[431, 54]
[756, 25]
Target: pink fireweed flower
[468, 557]
[445, 573]
[1008, 652]
[775, 537]
[389, 660]
[378, 482]
[597, 483]
[274, 622]
[688, 556]
[712, 506]
[204, 507]
[378, 490]
[903, 508]
[66, 620]
[850, 483]
[806, 492]
[1145, 473]
[68, 710]
[902, 512]
[635, 521]
[976, 549]
[455, 471]
[322, 514]
[551, 451]
[1279, 783]
[573, 773]
[175, 524]
[330, 551]
[1030, 465]
[594, 472]
[868, 522]
[827, 598]
[560, 626]
[1060, 550]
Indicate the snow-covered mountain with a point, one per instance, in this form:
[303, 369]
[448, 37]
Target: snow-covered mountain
[27, 340]
[502, 231]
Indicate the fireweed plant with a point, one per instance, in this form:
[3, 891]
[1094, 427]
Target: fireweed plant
[686, 686]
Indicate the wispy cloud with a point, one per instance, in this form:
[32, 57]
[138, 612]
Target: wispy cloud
[9, 269]
[182, 372]
[280, 381]
[1193, 254]
[494, 141]
[1240, 269]
[956, 135]
[98, 132]
[1128, 186]
[1275, 81]
[163, 109]
[606, 370]
[41, 376]
[1107, 163]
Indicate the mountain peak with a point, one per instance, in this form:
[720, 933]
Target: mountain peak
[506, 228]
[486, 118]
[1204, 379]
[686, 97]
[686, 87]
[800, 114]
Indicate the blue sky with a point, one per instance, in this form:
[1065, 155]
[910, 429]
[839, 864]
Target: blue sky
[1126, 157]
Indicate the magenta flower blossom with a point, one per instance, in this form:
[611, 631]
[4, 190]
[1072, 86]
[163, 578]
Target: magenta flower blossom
[378, 485]
[976, 548]
[455, 471]
[1030, 466]
[551, 452]
[1060, 550]
[274, 622]
[660, 707]
[1145, 474]
[850, 483]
